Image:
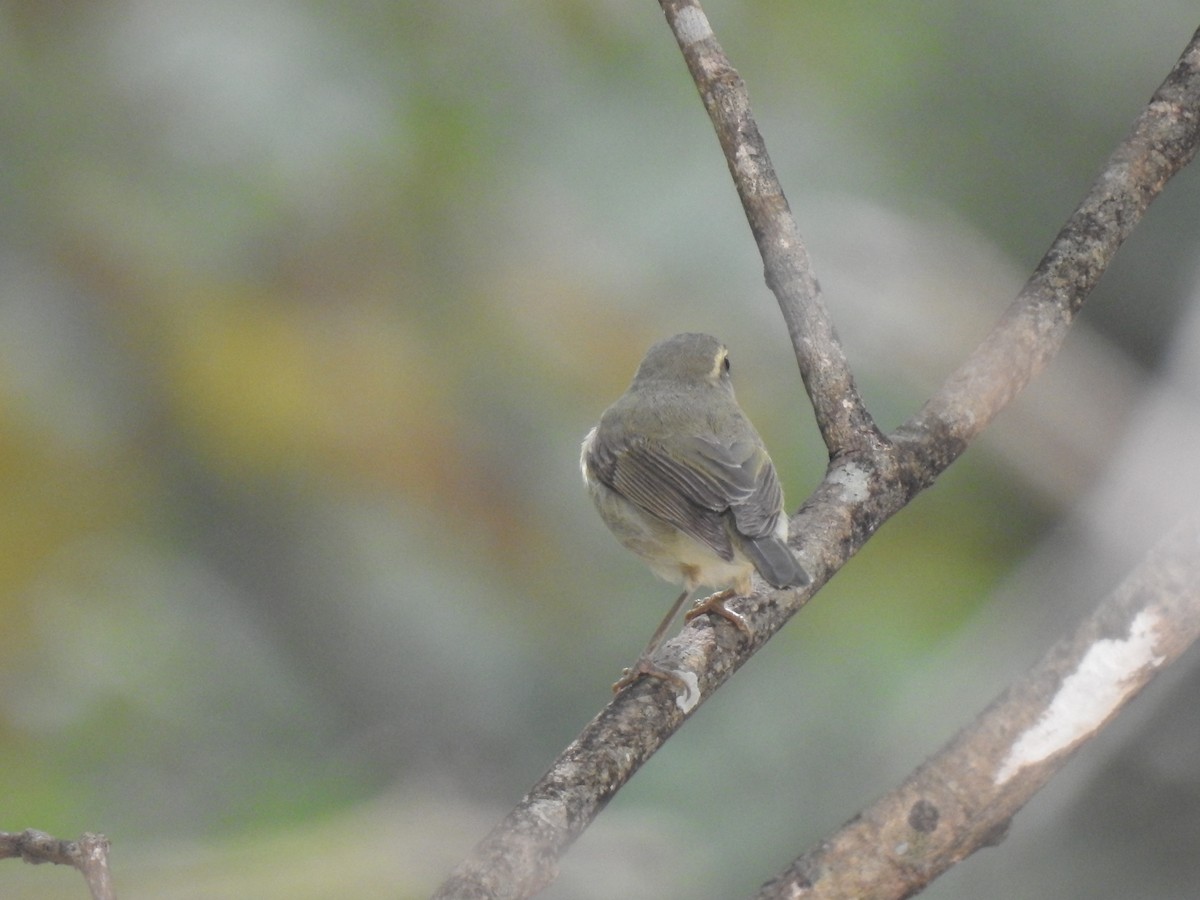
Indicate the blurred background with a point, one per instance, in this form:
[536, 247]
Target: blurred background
[305, 309]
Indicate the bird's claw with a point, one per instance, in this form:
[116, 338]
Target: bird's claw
[646, 666]
[716, 604]
[686, 685]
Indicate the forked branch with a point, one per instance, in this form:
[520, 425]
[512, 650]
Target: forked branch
[870, 478]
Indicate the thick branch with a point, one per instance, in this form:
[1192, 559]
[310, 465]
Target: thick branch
[963, 798]
[868, 481]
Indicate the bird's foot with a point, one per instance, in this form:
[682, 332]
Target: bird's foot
[716, 604]
[646, 666]
[687, 686]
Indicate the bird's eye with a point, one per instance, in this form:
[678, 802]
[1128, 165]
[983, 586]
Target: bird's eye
[726, 363]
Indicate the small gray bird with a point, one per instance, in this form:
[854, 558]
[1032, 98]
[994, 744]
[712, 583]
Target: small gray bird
[682, 479]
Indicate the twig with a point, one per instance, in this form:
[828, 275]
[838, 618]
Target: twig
[867, 482]
[963, 798]
[88, 854]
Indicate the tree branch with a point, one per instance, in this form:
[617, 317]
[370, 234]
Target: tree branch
[841, 416]
[963, 798]
[869, 479]
[1163, 140]
[89, 855]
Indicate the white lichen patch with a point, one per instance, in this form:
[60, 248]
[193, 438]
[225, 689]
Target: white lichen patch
[691, 25]
[1088, 696]
[550, 812]
[748, 166]
[854, 481]
[687, 699]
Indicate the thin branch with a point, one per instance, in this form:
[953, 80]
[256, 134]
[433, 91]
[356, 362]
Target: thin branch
[89, 855]
[963, 798]
[841, 416]
[867, 481]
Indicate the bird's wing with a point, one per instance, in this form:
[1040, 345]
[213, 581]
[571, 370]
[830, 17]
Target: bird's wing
[756, 516]
[692, 484]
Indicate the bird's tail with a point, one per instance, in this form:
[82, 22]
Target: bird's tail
[775, 562]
